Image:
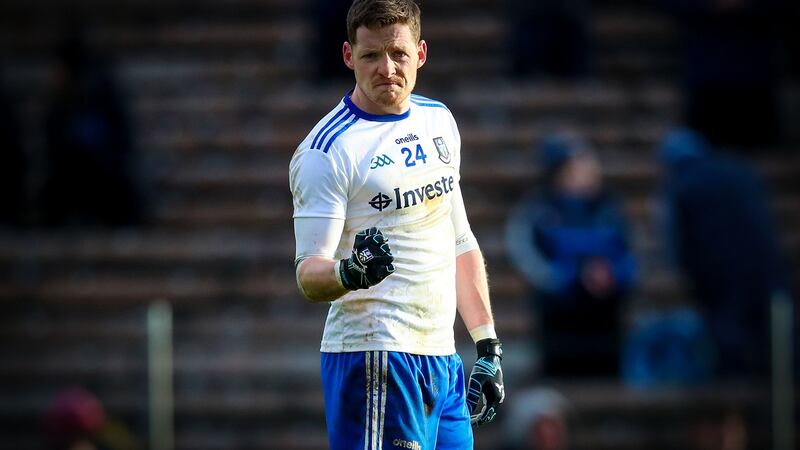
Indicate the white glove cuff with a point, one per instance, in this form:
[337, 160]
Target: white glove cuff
[337, 273]
[483, 332]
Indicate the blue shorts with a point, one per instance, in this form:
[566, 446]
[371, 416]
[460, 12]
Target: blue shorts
[391, 400]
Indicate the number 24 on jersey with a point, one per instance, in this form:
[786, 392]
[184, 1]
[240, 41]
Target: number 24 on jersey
[418, 156]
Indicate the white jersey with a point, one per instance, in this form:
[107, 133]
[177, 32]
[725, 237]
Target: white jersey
[399, 173]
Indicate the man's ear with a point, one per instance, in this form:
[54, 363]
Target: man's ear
[422, 52]
[347, 54]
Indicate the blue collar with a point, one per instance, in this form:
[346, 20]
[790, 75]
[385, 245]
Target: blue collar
[373, 117]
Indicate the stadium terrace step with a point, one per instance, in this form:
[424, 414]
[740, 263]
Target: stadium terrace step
[217, 434]
[208, 37]
[635, 43]
[601, 411]
[128, 327]
[615, 398]
[245, 215]
[638, 65]
[125, 246]
[122, 289]
[268, 366]
[86, 289]
[552, 96]
[274, 408]
[241, 176]
[135, 10]
[138, 11]
[305, 437]
[635, 26]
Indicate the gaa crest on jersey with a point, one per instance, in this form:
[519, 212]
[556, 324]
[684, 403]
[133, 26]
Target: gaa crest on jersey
[380, 161]
[441, 149]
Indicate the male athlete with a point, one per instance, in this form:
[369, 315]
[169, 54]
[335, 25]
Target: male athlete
[382, 236]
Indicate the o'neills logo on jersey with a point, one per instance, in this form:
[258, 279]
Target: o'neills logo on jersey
[413, 197]
[406, 139]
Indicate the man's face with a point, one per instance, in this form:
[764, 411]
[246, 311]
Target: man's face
[385, 61]
[581, 176]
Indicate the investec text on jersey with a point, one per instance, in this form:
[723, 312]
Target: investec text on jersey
[410, 197]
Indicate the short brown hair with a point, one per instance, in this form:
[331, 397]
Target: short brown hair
[381, 13]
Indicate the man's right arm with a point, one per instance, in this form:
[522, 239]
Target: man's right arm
[322, 278]
[316, 241]
[319, 183]
[316, 278]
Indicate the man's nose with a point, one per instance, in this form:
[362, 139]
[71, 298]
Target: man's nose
[386, 66]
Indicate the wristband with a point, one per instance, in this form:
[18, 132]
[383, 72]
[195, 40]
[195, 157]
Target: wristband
[489, 347]
[343, 275]
[337, 273]
[483, 332]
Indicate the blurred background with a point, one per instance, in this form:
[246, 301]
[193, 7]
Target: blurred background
[630, 168]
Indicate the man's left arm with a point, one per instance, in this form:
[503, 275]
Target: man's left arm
[472, 292]
[485, 391]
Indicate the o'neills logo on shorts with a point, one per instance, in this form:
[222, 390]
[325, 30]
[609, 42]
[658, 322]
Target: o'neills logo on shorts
[402, 443]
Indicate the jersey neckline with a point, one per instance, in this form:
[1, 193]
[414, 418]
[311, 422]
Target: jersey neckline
[373, 117]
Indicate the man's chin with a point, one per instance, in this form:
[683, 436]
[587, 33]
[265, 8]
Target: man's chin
[391, 99]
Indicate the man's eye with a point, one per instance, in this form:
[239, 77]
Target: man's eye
[369, 56]
[400, 55]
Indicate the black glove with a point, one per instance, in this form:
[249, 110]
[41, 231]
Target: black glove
[370, 262]
[485, 391]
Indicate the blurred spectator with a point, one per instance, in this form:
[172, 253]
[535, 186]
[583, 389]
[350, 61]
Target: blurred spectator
[537, 420]
[549, 37]
[731, 68]
[720, 231]
[719, 431]
[13, 163]
[569, 239]
[668, 348]
[77, 420]
[89, 155]
[330, 19]
[73, 420]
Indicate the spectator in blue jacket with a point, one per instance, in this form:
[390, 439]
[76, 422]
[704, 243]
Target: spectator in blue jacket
[723, 238]
[570, 240]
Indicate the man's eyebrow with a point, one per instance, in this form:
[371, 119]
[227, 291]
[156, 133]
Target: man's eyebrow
[368, 49]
